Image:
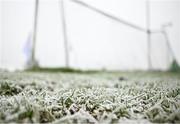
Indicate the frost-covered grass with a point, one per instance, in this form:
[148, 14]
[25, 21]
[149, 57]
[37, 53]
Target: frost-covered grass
[89, 98]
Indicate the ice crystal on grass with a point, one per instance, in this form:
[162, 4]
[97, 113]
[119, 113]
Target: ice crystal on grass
[89, 98]
[9, 89]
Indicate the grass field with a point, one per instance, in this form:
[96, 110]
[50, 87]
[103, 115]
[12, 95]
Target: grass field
[99, 97]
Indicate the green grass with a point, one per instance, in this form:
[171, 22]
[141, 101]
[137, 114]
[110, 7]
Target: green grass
[104, 97]
[61, 69]
[8, 89]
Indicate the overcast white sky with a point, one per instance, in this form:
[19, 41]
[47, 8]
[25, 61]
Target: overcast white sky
[95, 42]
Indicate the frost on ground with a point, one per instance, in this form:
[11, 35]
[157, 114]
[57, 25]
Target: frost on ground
[27, 97]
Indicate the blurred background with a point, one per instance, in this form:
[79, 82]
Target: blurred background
[90, 34]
